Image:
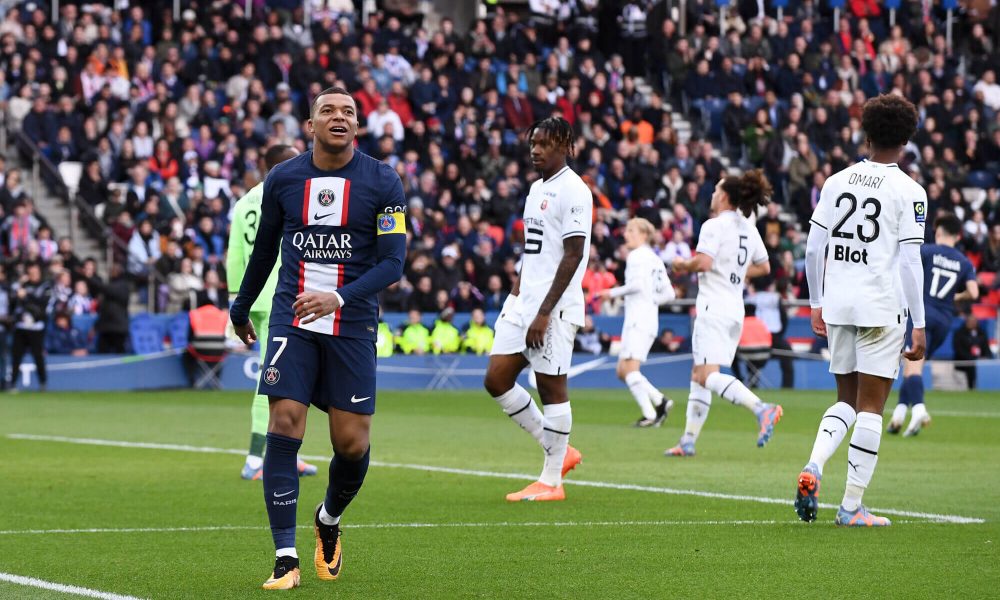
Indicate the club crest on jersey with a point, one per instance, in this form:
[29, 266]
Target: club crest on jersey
[325, 197]
[919, 212]
[545, 204]
[271, 375]
[386, 223]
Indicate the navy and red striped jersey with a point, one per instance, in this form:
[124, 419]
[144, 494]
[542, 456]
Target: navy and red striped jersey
[342, 230]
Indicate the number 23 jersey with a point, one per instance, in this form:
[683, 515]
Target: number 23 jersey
[558, 208]
[733, 243]
[869, 209]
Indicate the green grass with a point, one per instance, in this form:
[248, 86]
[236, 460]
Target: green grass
[949, 469]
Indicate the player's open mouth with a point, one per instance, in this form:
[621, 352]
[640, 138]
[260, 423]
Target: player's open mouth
[338, 130]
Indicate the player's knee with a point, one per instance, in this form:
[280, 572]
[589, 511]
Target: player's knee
[495, 384]
[699, 377]
[621, 371]
[283, 423]
[352, 449]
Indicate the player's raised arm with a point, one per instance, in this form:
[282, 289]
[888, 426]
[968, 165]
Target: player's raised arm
[390, 243]
[265, 252]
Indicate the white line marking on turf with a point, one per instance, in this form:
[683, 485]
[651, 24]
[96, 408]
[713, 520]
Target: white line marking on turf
[66, 589]
[209, 528]
[959, 413]
[958, 519]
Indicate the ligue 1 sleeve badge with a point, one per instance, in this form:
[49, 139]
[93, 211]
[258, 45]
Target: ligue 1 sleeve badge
[919, 210]
[271, 375]
[386, 223]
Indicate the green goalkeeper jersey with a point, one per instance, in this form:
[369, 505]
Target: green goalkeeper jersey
[242, 234]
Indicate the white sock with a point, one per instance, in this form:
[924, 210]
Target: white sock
[655, 395]
[836, 421]
[639, 387]
[558, 423]
[255, 462]
[918, 414]
[732, 389]
[699, 402]
[862, 457]
[286, 552]
[899, 413]
[326, 518]
[521, 407]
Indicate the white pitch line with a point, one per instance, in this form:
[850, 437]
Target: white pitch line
[944, 518]
[959, 413]
[210, 528]
[59, 587]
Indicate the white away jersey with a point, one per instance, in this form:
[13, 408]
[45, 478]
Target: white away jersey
[646, 283]
[869, 209]
[733, 243]
[556, 209]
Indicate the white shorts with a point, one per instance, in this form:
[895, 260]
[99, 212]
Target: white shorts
[635, 344]
[714, 341]
[870, 350]
[555, 355]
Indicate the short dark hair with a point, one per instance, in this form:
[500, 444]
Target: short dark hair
[950, 223]
[889, 121]
[277, 154]
[559, 129]
[336, 89]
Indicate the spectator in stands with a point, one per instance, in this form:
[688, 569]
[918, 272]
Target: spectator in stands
[445, 337]
[211, 294]
[6, 320]
[81, 302]
[414, 338]
[971, 344]
[991, 251]
[112, 314]
[20, 227]
[32, 298]
[143, 250]
[589, 339]
[478, 337]
[668, 343]
[64, 338]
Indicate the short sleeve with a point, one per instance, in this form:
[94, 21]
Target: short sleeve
[577, 209]
[912, 217]
[821, 214]
[759, 250]
[709, 240]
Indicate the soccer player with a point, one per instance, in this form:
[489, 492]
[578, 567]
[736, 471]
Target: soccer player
[242, 233]
[729, 252]
[646, 287]
[538, 321]
[338, 217]
[946, 270]
[872, 214]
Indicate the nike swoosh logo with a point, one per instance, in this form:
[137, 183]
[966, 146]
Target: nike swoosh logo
[356, 400]
[277, 495]
[318, 217]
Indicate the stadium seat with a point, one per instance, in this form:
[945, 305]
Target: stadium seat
[146, 335]
[178, 330]
[984, 311]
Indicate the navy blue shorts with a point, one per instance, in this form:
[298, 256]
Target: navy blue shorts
[936, 331]
[323, 370]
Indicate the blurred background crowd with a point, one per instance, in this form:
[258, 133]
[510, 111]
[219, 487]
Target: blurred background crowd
[169, 117]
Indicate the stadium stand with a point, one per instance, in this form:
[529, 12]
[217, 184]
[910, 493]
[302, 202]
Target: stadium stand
[147, 125]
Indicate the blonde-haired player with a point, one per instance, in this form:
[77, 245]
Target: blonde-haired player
[729, 252]
[646, 287]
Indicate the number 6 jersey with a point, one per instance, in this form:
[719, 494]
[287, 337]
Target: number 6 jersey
[558, 208]
[733, 243]
[869, 209]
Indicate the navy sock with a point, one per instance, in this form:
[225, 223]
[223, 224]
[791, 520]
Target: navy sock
[281, 487]
[916, 383]
[346, 477]
[912, 390]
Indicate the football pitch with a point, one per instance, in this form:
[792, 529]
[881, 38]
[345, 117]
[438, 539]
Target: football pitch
[138, 495]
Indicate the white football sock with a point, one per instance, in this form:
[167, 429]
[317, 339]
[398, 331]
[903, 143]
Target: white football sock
[862, 457]
[699, 402]
[558, 423]
[521, 407]
[833, 427]
[732, 389]
[899, 413]
[639, 387]
[286, 552]
[326, 518]
[917, 416]
[255, 462]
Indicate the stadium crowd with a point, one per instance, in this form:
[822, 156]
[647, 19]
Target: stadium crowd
[170, 119]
